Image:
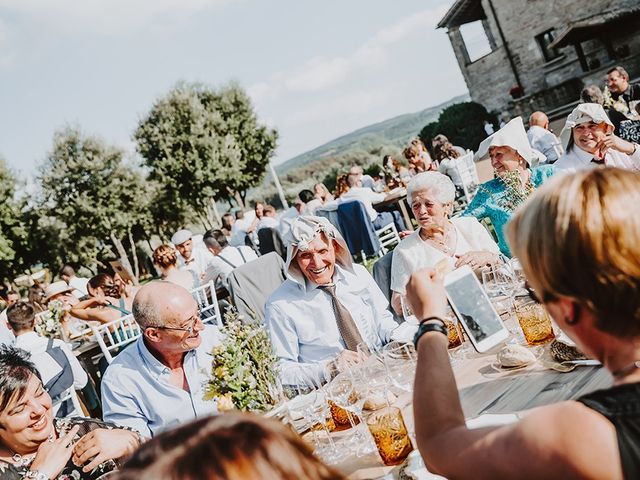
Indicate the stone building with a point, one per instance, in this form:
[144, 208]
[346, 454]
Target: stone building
[518, 56]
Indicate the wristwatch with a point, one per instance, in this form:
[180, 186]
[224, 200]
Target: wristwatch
[35, 475]
[428, 325]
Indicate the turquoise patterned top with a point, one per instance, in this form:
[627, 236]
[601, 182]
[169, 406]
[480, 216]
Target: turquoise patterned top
[491, 202]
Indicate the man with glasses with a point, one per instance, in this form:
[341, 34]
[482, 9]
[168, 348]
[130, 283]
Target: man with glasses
[157, 382]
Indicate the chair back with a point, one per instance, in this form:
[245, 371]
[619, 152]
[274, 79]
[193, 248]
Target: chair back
[382, 275]
[332, 216]
[357, 229]
[468, 173]
[205, 296]
[68, 397]
[270, 241]
[251, 284]
[115, 334]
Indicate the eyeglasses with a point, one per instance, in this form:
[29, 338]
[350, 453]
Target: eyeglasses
[190, 329]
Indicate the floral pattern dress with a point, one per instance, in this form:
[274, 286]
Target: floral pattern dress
[70, 471]
[497, 199]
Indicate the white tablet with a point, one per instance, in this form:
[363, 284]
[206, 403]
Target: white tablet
[475, 312]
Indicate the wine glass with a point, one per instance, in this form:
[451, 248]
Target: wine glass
[400, 363]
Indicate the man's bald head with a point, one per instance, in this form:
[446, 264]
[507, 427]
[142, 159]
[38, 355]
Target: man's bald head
[539, 119]
[159, 302]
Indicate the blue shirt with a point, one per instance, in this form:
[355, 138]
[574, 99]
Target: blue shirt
[490, 202]
[136, 392]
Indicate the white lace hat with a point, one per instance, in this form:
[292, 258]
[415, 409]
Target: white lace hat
[584, 113]
[511, 135]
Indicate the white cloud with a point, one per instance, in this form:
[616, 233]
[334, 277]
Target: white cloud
[109, 17]
[319, 74]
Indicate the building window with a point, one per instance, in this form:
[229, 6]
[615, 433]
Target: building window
[475, 40]
[544, 40]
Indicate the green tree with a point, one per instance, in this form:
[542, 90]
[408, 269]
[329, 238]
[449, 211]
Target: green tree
[463, 124]
[427, 133]
[202, 144]
[90, 201]
[12, 230]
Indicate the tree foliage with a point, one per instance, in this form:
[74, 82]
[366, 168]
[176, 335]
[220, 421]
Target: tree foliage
[461, 123]
[89, 201]
[12, 230]
[201, 144]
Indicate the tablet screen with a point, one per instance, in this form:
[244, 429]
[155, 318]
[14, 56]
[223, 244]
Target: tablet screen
[474, 307]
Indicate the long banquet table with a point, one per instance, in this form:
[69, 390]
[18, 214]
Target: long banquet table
[486, 389]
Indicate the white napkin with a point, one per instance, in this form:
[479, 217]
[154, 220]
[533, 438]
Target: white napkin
[405, 332]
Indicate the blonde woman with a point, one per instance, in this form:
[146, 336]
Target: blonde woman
[165, 258]
[577, 241]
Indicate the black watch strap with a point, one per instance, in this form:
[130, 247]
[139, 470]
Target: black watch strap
[430, 327]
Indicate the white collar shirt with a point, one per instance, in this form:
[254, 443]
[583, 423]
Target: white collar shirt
[199, 260]
[543, 140]
[136, 391]
[367, 196]
[578, 159]
[6, 334]
[268, 222]
[302, 325]
[225, 262]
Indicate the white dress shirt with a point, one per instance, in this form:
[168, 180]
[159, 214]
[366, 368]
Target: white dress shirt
[6, 334]
[546, 142]
[367, 196]
[219, 270]
[200, 257]
[578, 159]
[302, 324]
[268, 222]
[48, 368]
[136, 392]
[413, 253]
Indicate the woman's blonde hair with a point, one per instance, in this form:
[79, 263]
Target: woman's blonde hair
[231, 446]
[578, 237]
[165, 256]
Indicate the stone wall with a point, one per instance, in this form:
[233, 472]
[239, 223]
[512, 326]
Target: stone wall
[490, 77]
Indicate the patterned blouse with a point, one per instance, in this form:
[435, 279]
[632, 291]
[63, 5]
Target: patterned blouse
[495, 202]
[70, 471]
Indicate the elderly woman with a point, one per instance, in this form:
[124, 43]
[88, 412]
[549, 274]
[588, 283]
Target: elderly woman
[454, 242]
[589, 142]
[577, 241]
[511, 159]
[35, 445]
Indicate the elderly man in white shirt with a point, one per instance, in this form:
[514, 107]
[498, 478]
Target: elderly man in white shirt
[542, 139]
[590, 142]
[193, 255]
[327, 306]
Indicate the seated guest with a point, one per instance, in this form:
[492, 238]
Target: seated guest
[6, 335]
[243, 227]
[79, 284]
[35, 445]
[446, 156]
[311, 203]
[590, 142]
[268, 219]
[441, 139]
[368, 197]
[227, 224]
[622, 96]
[326, 307]
[105, 303]
[541, 138]
[193, 255]
[418, 161]
[577, 241]
[225, 257]
[165, 259]
[395, 173]
[342, 185]
[63, 293]
[35, 297]
[459, 241]
[363, 180]
[322, 192]
[59, 368]
[236, 446]
[592, 94]
[157, 381]
[511, 158]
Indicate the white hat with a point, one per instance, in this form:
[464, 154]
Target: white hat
[56, 288]
[511, 135]
[181, 236]
[583, 113]
[304, 230]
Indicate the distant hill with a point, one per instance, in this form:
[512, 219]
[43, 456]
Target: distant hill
[394, 131]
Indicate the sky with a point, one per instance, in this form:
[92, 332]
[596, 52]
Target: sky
[314, 70]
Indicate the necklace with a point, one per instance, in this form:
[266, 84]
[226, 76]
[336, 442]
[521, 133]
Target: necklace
[447, 244]
[624, 370]
[25, 460]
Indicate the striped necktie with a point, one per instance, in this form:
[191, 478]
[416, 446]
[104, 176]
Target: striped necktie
[346, 325]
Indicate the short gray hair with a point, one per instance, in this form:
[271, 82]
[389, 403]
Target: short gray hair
[445, 191]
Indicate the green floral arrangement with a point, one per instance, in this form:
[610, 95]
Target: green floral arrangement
[243, 371]
[48, 322]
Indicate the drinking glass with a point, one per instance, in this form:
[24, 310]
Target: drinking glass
[534, 322]
[390, 435]
[407, 313]
[400, 364]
